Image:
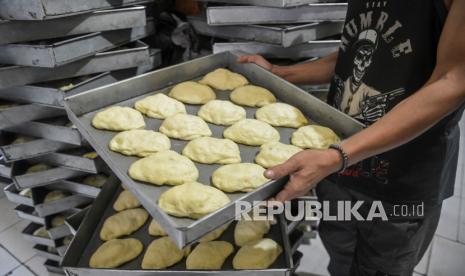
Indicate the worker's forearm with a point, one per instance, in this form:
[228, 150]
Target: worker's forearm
[410, 118]
[316, 72]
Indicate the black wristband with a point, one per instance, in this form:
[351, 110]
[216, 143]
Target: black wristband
[344, 156]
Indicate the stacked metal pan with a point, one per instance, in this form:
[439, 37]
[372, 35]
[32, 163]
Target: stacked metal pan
[50, 50]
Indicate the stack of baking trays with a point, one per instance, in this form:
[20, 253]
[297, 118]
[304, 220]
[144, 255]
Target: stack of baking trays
[50, 50]
[114, 241]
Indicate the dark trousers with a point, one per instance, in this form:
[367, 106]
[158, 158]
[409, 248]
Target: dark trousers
[392, 247]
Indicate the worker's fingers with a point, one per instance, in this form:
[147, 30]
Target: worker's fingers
[294, 188]
[246, 59]
[284, 169]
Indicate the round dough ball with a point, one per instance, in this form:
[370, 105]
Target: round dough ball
[193, 200]
[123, 223]
[115, 253]
[164, 168]
[126, 200]
[210, 150]
[118, 118]
[223, 113]
[155, 229]
[260, 254]
[253, 96]
[185, 127]
[252, 132]
[281, 115]
[192, 92]
[160, 106]
[209, 255]
[163, 253]
[314, 137]
[139, 142]
[223, 79]
[275, 153]
[250, 230]
[243, 177]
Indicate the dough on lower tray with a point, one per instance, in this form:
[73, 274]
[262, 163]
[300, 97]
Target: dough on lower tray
[275, 153]
[57, 220]
[215, 234]
[222, 112]
[252, 132]
[118, 118]
[41, 232]
[95, 180]
[193, 200]
[223, 79]
[253, 96]
[209, 255]
[139, 142]
[210, 150]
[126, 200]
[160, 106]
[155, 229]
[123, 223]
[281, 115]
[260, 254]
[38, 168]
[163, 253]
[114, 253]
[242, 177]
[191, 92]
[185, 127]
[314, 137]
[250, 230]
[164, 168]
[55, 195]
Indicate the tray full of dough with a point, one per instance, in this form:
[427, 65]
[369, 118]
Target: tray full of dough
[118, 237]
[188, 171]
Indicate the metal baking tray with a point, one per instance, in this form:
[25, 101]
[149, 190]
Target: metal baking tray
[59, 231]
[117, 59]
[81, 109]
[269, 3]
[58, 52]
[284, 35]
[74, 221]
[31, 149]
[53, 267]
[74, 186]
[5, 170]
[61, 205]
[28, 213]
[12, 193]
[318, 48]
[86, 241]
[99, 21]
[43, 252]
[48, 9]
[27, 233]
[246, 15]
[27, 112]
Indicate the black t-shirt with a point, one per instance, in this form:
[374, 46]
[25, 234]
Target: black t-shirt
[388, 52]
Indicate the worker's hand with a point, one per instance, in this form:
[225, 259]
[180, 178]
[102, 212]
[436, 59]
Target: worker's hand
[257, 59]
[305, 169]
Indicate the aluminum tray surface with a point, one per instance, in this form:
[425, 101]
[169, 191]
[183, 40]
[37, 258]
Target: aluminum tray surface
[269, 3]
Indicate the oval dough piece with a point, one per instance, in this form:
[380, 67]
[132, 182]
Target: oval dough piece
[118, 118]
[58, 220]
[252, 132]
[210, 150]
[164, 168]
[139, 142]
[243, 177]
[259, 254]
[41, 232]
[90, 155]
[253, 96]
[55, 195]
[215, 234]
[223, 79]
[192, 92]
[250, 230]
[123, 223]
[223, 113]
[26, 192]
[185, 127]
[160, 106]
[155, 229]
[115, 253]
[281, 115]
[126, 200]
[193, 200]
[314, 137]
[95, 180]
[38, 168]
[163, 253]
[275, 153]
[209, 255]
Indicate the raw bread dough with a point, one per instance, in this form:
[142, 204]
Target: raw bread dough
[160, 106]
[155, 229]
[215, 234]
[125, 201]
[210, 150]
[314, 137]
[41, 232]
[281, 115]
[58, 220]
[123, 223]
[95, 180]
[118, 118]
[38, 168]
[209, 255]
[90, 155]
[115, 253]
[193, 200]
[55, 195]
[185, 127]
[191, 92]
[22, 139]
[26, 192]
[252, 132]
[260, 254]
[164, 167]
[250, 230]
[223, 113]
[139, 142]
[223, 79]
[163, 253]
[243, 177]
[253, 96]
[275, 153]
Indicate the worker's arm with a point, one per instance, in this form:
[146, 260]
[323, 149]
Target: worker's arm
[316, 72]
[440, 96]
